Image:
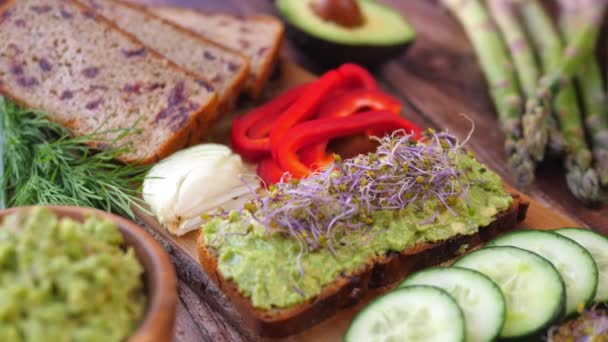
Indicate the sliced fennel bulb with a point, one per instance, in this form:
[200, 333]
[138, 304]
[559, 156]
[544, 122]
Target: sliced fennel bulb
[193, 181]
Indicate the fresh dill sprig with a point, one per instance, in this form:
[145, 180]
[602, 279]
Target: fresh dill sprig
[45, 165]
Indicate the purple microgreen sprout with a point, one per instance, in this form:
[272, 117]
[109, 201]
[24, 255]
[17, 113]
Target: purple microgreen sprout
[343, 196]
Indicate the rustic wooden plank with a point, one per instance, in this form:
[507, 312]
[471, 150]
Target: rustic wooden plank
[214, 315]
[437, 78]
[186, 329]
[215, 308]
[213, 327]
[440, 78]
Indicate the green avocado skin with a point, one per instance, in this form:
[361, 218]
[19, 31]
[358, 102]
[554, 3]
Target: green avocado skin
[384, 35]
[265, 268]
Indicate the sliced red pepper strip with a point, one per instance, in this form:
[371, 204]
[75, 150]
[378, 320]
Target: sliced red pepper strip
[269, 171]
[354, 77]
[303, 108]
[344, 101]
[253, 148]
[357, 77]
[328, 128]
[261, 129]
[315, 155]
[357, 100]
[250, 149]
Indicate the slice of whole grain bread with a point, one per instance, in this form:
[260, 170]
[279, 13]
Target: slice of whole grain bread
[348, 290]
[60, 57]
[258, 36]
[225, 69]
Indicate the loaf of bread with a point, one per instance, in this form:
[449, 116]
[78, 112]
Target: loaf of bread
[226, 70]
[347, 290]
[258, 37]
[59, 57]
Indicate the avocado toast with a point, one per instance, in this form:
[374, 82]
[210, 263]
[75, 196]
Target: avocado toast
[296, 254]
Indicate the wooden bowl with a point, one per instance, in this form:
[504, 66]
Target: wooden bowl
[160, 282]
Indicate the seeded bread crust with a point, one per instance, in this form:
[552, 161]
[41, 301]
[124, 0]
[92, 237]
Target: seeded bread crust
[348, 290]
[225, 69]
[83, 71]
[258, 36]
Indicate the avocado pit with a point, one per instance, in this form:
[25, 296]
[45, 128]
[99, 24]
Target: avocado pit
[346, 13]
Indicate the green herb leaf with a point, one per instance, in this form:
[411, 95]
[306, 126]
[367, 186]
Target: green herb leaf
[45, 165]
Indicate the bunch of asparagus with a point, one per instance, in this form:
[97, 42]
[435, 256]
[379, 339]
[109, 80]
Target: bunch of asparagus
[546, 84]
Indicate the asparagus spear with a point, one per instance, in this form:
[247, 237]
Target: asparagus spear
[497, 67]
[528, 72]
[536, 120]
[581, 177]
[3, 191]
[573, 15]
[525, 63]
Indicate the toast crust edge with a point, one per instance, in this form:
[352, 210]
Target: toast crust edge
[257, 86]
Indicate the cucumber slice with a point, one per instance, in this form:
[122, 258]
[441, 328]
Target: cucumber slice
[533, 289]
[414, 313]
[574, 264]
[479, 298]
[597, 245]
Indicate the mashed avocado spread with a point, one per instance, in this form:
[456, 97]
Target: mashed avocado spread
[272, 270]
[63, 280]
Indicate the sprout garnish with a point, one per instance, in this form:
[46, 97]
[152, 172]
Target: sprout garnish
[342, 198]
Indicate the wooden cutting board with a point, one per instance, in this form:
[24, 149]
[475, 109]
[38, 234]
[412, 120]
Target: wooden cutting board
[184, 252]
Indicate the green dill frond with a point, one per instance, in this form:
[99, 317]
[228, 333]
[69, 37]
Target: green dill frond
[43, 164]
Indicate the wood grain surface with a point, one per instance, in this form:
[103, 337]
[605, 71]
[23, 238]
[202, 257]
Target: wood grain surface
[204, 305]
[437, 79]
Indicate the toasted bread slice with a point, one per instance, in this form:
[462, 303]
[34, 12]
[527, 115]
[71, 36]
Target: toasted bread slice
[381, 271]
[225, 69]
[60, 57]
[259, 37]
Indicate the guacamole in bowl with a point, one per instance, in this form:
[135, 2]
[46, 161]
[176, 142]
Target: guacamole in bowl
[63, 279]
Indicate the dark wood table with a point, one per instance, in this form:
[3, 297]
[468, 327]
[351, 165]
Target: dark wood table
[437, 79]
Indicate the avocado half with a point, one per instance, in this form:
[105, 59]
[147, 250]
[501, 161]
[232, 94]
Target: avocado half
[384, 34]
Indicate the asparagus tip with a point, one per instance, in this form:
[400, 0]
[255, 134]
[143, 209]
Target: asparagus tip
[520, 162]
[556, 143]
[601, 164]
[535, 135]
[584, 184]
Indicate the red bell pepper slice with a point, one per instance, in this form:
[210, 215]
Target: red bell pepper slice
[357, 77]
[315, 155]
[253, 147]
[354, 77]
[328, 128]
[303, 108]
[261, 129]
[270, 171]
[358, 100]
